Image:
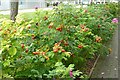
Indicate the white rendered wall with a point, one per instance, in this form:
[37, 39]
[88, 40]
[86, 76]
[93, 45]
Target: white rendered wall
[23, 4]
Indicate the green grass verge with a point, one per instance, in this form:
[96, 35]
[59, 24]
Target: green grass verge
[4, 16]
[25, 15]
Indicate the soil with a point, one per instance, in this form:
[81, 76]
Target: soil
[89, 65]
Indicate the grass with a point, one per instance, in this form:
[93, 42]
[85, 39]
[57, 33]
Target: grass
[4, 16]
[25, 15]
[28, 15]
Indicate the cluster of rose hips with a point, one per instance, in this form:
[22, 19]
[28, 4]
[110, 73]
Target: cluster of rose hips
[58, 28]
[36, 52]
[57, 48]
[83, 27]
[23, 46]
[45, 17]
[80, 46]
[98, 39]
[50, 25]
[99, 26]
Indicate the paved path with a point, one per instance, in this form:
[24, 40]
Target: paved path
[107, 67]
[119, 45]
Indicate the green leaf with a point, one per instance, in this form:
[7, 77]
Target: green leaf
[71, 66]
[12, 51]
[35, 71]
[67, 54]
[6, 63]
[1, 51]
[58, 64]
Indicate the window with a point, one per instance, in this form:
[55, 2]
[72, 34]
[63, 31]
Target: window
[20, 2]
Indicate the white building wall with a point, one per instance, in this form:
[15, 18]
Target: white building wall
[23, 4]
[4, 4]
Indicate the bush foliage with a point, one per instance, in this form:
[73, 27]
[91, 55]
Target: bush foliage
[54, 43]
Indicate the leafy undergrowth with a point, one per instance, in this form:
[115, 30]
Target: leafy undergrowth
[55, 44]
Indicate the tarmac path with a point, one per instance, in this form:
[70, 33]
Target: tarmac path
[107, 67]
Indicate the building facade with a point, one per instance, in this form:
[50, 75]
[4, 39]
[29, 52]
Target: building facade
[4, 4]
[23, 4]
[30, 4]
